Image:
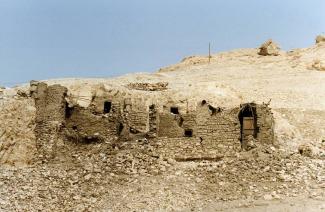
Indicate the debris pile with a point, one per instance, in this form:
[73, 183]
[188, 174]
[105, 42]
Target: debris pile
[269, 48]
[143, 86]
[320, 39]
[120, 177]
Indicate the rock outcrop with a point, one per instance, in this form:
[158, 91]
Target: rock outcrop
[318, 65]
[320, 39]
[1, 91]
[269, 48]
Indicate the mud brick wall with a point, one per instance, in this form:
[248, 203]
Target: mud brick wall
[139, 120]
[153, 121]
[97, 105]
[47, 135]
[222, 127]
[50, 116]
[83, 125]
[189, 123]
[138, 114]
[50, 103]
[169, 126]
[265, 124]
[216, 133]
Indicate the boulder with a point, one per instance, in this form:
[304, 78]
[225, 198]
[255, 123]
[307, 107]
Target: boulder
[269, 48]
[320, 39]
[22, 93]
[318, 65]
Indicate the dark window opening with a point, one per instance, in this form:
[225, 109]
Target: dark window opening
[74, 127]
[68, 110]
[174, 110]
[203, 102]
[188, 133]
[107, 106]
[151, 107]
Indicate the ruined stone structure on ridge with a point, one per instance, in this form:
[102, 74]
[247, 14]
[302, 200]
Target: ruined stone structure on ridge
[177, 129]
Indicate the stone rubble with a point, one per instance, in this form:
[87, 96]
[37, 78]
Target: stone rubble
[269, 48]
[92, 174]
[320, 39]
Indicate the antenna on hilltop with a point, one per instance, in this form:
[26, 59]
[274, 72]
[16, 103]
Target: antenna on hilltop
[209, 51]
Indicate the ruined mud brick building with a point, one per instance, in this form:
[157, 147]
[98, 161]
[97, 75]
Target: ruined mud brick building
[177, 129]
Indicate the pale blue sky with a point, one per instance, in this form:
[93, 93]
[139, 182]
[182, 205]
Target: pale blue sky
[41, 39]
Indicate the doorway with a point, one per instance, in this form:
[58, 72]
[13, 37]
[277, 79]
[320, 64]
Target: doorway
[248, 122]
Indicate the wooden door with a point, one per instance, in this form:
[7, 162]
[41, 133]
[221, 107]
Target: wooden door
[248, 126]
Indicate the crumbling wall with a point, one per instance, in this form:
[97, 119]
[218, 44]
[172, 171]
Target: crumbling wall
[153, 121]
[138, 115]
[265, 124]
[216, 132]
[50, 106]
[84, 126]
[205, 131]
[218, 129]
[169, 125]
[189, 123]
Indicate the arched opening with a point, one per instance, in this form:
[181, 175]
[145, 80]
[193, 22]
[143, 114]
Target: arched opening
[248, 122]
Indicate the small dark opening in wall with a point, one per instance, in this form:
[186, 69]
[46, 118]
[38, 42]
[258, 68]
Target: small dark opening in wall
[120, 128]
[151, 107]
[68, 111]
[74, 127]
[188, 133]
[174, 110]
[107, 106]
[213, 110]
[203, 102]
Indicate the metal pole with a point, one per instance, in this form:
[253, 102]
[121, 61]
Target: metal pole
[209, 52]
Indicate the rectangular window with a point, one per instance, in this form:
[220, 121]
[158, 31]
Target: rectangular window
[107, 106]
[174, 110]
[188, 133]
